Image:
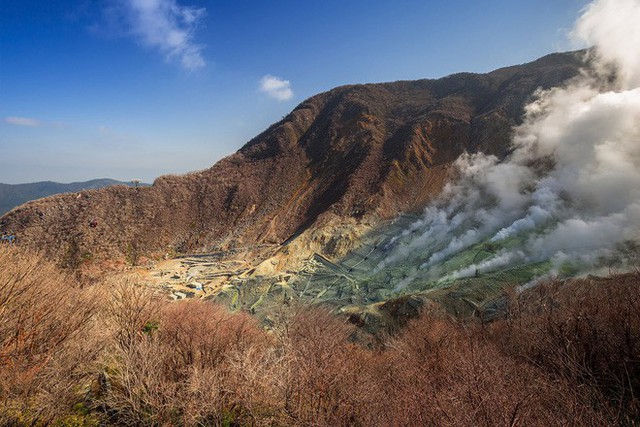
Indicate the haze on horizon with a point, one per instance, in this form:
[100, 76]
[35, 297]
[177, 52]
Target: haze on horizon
[139, 88]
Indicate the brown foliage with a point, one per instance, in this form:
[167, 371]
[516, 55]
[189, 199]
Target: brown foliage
[48, 339]
[322, 371]
[172, 363]
[564, 354]
[584, 331]
[440, 372]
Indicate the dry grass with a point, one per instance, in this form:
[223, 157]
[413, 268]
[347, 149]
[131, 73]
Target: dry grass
[116, 354]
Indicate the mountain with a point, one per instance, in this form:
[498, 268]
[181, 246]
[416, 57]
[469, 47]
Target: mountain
[354, 155]
[12, 195]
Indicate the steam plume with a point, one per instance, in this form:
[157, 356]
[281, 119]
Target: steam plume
[570, 191]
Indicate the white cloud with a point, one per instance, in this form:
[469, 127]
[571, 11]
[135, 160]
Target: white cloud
[22, 121]
[167, 26]
[276, 87]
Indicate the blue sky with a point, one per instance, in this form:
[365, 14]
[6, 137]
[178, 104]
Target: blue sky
[139, 88]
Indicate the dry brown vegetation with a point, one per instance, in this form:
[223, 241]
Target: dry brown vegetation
[587, 333]
[49, 339]
[117, 354]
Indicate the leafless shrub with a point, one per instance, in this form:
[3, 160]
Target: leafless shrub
[584, 331]
[442, 372]
[324, 372]
[47, 337]
[173, 362]
[203, 334]
[131, 310]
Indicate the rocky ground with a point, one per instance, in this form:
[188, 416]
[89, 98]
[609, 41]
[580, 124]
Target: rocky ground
[204, 275]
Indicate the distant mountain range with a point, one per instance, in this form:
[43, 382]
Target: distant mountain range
[12, 195]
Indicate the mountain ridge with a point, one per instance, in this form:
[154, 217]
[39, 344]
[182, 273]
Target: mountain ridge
[12, 195]
[356, 153]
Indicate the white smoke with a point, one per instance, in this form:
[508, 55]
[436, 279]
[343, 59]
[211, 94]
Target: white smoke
[572, 183]
[503, 259]
[612, 27]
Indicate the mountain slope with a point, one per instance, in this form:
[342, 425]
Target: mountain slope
[12, 195]
[355, 153]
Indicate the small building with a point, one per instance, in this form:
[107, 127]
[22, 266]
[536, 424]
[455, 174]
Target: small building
[195, 285]
[179, 295]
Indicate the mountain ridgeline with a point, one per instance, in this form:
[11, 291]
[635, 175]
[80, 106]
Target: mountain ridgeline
[12, 195]
[355, 153]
